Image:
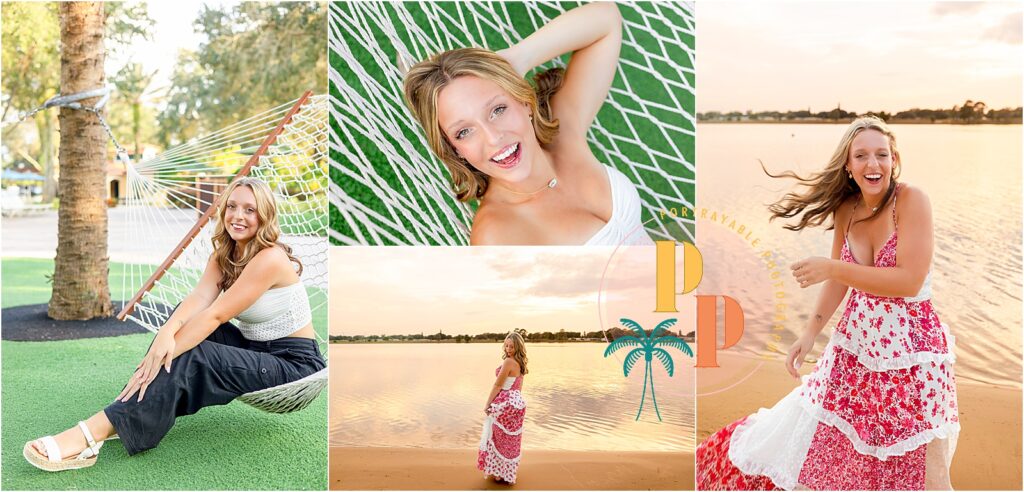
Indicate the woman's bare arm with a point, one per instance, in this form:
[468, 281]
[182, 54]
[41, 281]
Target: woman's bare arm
[266, 269]
[831, 295]
[593, 32]
[499, 382]
[201, 297]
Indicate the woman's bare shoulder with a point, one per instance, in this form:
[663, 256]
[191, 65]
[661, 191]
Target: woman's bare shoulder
[273, 260]
[842, 214]
[912, 200]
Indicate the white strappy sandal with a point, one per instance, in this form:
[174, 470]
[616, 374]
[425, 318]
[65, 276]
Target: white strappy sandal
[52, 460]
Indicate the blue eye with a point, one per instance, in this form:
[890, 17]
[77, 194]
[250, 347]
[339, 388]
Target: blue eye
[459, 135]
[498, 111]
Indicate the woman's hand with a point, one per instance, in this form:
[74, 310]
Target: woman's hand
[797, 353]
[160, 354]
[813, 270]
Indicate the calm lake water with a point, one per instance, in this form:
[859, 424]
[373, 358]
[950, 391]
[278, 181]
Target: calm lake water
[432, 395]
[972, 175]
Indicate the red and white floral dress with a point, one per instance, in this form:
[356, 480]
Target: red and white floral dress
[878, 412]
[501, 442]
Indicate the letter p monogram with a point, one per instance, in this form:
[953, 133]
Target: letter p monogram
[707, 305]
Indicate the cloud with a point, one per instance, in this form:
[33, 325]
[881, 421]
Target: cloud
[956, 8]
[1008, 31]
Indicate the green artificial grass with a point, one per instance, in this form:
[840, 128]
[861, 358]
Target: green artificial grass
[458, 26]
[49, 386]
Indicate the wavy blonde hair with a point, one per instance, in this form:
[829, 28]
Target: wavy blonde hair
[826, 190]
[229, 258]
[520, 346]
[426, 79]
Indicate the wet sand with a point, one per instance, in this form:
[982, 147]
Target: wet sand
[455, 469]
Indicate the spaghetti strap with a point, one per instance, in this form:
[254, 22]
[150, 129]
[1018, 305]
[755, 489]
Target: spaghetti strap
[894, 193]
[849, 223]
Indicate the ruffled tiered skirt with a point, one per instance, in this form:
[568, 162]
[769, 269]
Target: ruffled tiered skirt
[878, 412]
[501, 441]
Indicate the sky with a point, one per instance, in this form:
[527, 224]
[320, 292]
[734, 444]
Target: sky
[172, 32]
[459, 290]
[865, 56]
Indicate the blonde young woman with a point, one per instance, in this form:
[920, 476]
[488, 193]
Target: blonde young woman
[501, 442]
[522, 150]
[198, 358]
[879, 410]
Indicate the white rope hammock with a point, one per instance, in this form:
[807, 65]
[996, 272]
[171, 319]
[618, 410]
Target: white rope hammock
[168, 195]
[389, 188]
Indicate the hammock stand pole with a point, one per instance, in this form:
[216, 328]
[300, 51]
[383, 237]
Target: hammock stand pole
[205, 217]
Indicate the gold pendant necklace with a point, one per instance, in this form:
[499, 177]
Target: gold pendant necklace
[551, 184]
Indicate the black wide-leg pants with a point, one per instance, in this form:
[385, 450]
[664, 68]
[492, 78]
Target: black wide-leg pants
[219, 369]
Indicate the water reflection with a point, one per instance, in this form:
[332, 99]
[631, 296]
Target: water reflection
[432, 395]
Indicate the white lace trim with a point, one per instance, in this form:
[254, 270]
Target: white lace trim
[789, 480]
[883, 453]
[902, 362]
[492, 450]
[506, 431]
[515, 400]
[749, 466]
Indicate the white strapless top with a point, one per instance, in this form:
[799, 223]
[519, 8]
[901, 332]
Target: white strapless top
[624, 227]
[276, 314]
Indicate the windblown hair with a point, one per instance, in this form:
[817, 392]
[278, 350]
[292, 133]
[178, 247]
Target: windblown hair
[229, 257]
[426, 79]
[520, 347]
[829, 188]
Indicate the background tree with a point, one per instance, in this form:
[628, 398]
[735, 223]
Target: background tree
[249, 62]
[31, 42]
[31, 68]
[80, 289]
[132, 84]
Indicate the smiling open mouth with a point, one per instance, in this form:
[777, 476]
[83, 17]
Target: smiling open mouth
[508, 157]
[873, 178]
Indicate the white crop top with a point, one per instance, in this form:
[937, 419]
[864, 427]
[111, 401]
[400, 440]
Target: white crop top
[624, 227]
[509, 381]
[276, 314]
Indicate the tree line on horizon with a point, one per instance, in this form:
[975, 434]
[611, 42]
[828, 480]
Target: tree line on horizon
[545, 336]
[970, 112]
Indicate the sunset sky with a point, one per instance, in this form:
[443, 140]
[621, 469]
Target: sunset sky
[875, 56]
[459, 290]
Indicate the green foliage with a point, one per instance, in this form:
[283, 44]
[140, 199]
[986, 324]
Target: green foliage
[969, 112]
[31, 56]
[132, 121]
[256, 56]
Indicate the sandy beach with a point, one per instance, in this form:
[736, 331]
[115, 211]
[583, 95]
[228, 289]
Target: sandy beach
[454, 469]
[988, 454]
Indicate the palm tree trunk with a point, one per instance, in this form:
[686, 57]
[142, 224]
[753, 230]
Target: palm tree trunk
[643, 396]
[80, 289]
[654, 398]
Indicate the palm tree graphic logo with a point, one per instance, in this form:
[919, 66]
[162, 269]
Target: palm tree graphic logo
[648, 347]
